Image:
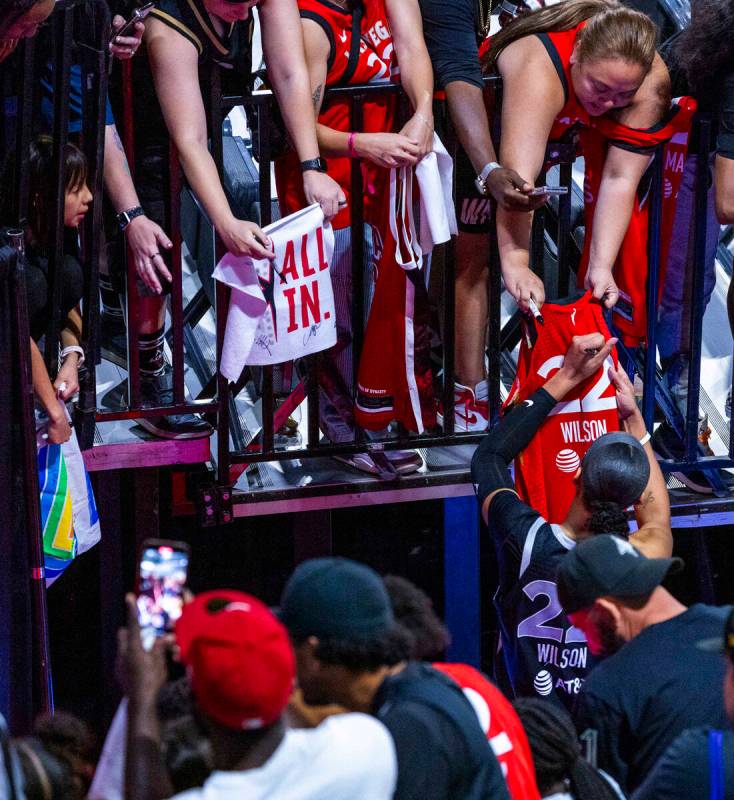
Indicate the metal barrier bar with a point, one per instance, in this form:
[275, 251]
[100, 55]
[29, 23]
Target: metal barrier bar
[356, 122]
[94, 65]
[62, 40]
[176, 310]
[653, 273]
[700, 223]
[43, 686]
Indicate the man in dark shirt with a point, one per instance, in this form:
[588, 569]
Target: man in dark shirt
[687, 769]
[543, 654]
[654, 683]
[350, 651]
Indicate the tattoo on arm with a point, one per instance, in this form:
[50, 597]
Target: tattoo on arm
[316, 96]
[118, 144]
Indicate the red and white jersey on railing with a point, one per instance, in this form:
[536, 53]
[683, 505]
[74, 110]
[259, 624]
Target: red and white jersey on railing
[545, 470]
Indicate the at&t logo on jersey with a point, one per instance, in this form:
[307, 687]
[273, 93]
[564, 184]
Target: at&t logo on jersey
[543, 683]
[568, 460]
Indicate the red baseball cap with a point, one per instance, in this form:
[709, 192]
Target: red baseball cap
[239, 659]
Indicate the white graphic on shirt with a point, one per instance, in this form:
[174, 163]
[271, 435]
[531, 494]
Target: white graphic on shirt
[568, 460]
[543, 683]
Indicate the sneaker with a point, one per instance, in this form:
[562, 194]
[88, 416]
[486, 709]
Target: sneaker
[158, 391]
[471, 408]
[400, 462]
[113, 339]
[667, 444]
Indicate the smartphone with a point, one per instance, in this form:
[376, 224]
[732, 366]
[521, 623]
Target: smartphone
[137, 16]
[548, 190]
[162, 572]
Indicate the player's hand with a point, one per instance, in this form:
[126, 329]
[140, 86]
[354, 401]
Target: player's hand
[523, 284]
[141, 673]
[585, 355]
[601, 282]
[419, 129]
[323, 189]
[625, 392]
[145, 238]
[512, 191]
[243, 238]
[388, 150]
[125, 47]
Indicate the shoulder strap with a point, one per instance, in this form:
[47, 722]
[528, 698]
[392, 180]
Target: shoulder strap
[716, 766]
[354, 44]
[527, 550]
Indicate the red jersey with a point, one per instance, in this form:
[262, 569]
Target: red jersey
[595, 135]
[376, 63]
[502, 727]
[544, 471]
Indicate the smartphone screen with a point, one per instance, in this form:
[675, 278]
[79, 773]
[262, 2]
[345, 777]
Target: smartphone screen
[549, 190]
[161, 580]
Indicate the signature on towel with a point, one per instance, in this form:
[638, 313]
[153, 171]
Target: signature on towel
[262, 341]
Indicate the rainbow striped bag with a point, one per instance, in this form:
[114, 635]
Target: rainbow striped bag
[69, 518]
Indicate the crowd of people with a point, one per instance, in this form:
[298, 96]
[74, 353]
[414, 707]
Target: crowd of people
[605, 685]
[592, 72]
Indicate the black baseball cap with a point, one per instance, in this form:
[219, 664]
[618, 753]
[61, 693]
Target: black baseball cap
[721, 644]
[615, 468]
[606, 565]
[335, 598]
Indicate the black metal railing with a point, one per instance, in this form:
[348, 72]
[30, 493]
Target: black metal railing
[24, 644]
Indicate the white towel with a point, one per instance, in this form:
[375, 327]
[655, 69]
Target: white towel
[284, 309]
[435, 174]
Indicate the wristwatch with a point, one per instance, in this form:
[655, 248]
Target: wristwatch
[126, 217]
[317, 164]
[481, 180]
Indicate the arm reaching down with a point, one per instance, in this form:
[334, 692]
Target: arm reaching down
[653, 536]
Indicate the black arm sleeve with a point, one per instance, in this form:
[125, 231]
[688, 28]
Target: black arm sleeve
[725, 139]
[510, 436]
[449, 28]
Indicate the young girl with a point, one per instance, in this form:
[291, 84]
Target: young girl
[39, 237]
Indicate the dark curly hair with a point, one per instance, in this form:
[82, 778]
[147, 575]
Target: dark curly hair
[413, 609]
[607, 517]
[705, 49]
[367, 655]
[557, 753]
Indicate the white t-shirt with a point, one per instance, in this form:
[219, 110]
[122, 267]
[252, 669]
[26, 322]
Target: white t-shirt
[347, 757]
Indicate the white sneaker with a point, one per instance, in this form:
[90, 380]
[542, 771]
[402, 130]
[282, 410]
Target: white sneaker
[404, 462]
[471, 408]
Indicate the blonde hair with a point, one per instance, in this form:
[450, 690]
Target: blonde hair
[612, 31]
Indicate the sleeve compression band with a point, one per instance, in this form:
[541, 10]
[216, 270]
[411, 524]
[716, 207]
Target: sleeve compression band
[510, 436]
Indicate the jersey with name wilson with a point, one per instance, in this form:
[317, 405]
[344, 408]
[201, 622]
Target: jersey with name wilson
[543, 655]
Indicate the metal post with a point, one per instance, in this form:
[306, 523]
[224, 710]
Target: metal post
[462, 593]
[653, 283]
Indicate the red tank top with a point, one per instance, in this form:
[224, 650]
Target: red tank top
[376, 63]
[595, 136]
[545, 470]
[501, 726]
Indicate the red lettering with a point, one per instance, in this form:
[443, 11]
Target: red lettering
[307, 271]
[323, 263]
[310, 303]
[290, 296]
[289, 263]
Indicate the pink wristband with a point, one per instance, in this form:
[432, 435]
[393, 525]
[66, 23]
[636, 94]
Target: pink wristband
[350, 145]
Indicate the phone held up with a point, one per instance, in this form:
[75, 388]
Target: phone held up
[162, 573]
[557, 190]
[138, 15]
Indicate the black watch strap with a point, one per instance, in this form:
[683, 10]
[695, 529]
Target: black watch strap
[126, 217]
[317, 164]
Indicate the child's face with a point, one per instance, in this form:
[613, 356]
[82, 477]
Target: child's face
[76, 205]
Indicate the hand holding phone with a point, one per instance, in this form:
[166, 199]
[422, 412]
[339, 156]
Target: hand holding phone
[128, 26]
[162, 574]
[554, 190]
